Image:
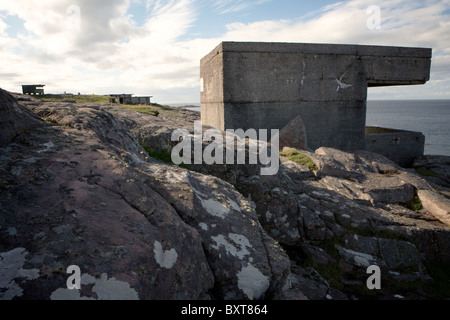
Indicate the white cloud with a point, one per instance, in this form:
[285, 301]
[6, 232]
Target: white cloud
[109, 52]
[233, 6]
[403, 23]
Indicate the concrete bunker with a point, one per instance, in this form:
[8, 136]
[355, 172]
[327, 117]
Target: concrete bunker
[254, 85]
[129, 99]
[33, 89]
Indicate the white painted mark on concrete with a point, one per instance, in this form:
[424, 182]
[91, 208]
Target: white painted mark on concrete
[303, 73]
[342, 85]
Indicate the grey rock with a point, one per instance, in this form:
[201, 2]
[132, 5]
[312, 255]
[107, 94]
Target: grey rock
[437, 204]
[293, 135]
[217, 231]
[14, 118]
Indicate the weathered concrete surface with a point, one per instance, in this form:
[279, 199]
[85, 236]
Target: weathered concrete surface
[266, 85]
[400, 146]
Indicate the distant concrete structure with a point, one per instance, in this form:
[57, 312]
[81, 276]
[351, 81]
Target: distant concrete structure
[120, 98]
[265, 85]
[399, 146]
[33, 89]
[141, 100]
[129, 99]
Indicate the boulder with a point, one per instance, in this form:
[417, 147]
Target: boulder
[437, 204]
[14, 119]
[293, 135]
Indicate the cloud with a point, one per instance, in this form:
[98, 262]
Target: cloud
[97, 46]
[106, 52]
[403, 23]
[233, 6]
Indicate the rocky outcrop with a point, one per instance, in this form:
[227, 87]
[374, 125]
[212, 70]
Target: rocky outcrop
[13, 118]
[80, 190]
[437, 204]
[85, 188]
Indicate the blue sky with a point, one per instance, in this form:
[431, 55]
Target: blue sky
[154, 47]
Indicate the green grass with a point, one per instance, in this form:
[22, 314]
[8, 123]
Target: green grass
[163, 155]
[144, 109]
[426, 173]
[414, 204]
[299, 158]
[154, 109]
[77, 98]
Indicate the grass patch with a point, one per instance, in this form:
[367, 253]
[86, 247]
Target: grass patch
[426, 173]
[77, 98]
[164, 156]
[300, 158]
[415, 204]
[144, 109]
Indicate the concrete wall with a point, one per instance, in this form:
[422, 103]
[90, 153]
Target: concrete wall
[33, 89]
[265, 85]
[140, 100]
[399, 146]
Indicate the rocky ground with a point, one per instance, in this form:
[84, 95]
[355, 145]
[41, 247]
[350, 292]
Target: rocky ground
[85, 185]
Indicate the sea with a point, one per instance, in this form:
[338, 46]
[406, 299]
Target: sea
[431, 117]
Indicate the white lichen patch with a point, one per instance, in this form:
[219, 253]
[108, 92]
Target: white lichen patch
[165, 259]
[210, 204]
[48, 146]
[67, 295]
[11, 231]
[293, 233]
[106, 289]
[215, 208]
[252, 282]
[175, 177]
[203, 226]
[234, 205]
[237, 247]
[110, 289]
[11, 269]
[357, 258]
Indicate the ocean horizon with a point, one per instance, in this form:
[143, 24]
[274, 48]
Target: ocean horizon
[430, 117]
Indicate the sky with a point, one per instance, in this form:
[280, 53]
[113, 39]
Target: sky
[154, 47]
